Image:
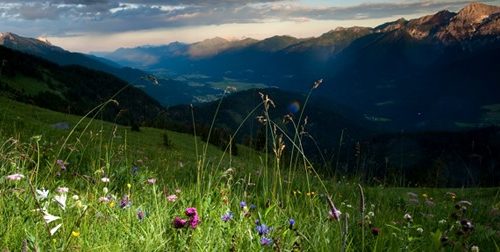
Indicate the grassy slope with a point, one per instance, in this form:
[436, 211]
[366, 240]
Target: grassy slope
[212, 189]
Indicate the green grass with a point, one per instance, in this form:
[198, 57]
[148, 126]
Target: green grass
[214, 183]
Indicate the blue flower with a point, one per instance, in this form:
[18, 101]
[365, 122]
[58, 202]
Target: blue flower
[262, 229]
[243, 204]
[227, 216]
[264, 241]
[291, 222]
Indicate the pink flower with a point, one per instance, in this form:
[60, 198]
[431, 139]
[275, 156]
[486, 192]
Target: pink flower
[178, 222]
[62, 190]
[172, 198]
[15, 177]
[152, 181]
[334, 213]
[194, 221]
[191, 211]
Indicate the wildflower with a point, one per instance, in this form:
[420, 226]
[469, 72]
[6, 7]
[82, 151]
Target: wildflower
[42, 194]
[104, 199]
[151, 181]
[467, 225]
[125, 202]
[15, 177]
[179, 223]
[371, 214]
[334, 213]
[227, 216]
[62, 190]
[112, 204]
[408, 217]
[310, 193]
[262, 229]
[191, 211]
[105, 190]
[253, 207]
[75, 197]
[420, 230]
[243, 204]
[79, 204]
[474, 248]
[129, 186]
[54, 230]
[194, 221]
[425, 195]
[75, 234]
[172, 198]
[291, 223]
[442, 222]
[375, 231]
[140, 214]
[105, 180]
[178, 191]
[50, 218]
[61, 200]
[264, 241]
[61, 164]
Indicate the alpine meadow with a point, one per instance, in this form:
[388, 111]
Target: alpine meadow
[252, 125]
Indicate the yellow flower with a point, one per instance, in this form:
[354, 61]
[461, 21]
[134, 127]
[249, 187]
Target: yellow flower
[112, 204]
[310, 193]
[75, 233]
[129, 186]
[424, 195]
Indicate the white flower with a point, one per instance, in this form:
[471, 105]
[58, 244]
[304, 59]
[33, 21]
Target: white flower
[50, 218]
[75, 197]
[62, 190]
[420, 230]
[15, 177]
[42, 194]
[408, 217]
[474, 248]
[61, 200]
[371, 214]
[54, 230]
[105, 190]
[442, 222]
[105, 179]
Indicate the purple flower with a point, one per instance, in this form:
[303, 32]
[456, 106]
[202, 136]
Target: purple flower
[178, 222]
[125, 202]
[264, 241]
[227, 216]
[140, 214]
[61, 164]
[15, 177]
[191, 211]
[243, 204]
[262, 229]
[334, 213]
[194, 221]
[291, 223]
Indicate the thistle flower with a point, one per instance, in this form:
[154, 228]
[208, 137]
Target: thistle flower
[15, 177]
[42, 194]
[179, 223]
[172, 198]
[264, 241]
[227, 216]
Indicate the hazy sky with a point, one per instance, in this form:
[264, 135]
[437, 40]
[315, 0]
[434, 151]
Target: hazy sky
[99, 25]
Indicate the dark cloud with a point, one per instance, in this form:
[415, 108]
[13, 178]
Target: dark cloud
[63, 17]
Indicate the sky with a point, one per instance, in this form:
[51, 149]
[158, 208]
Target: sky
[105, 25]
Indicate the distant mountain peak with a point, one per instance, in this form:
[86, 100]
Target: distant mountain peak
[477, 12]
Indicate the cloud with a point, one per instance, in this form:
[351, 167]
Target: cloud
[69, 17]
